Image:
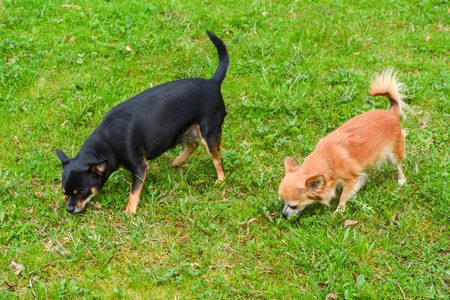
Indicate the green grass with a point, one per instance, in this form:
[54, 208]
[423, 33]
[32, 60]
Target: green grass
[294, 77]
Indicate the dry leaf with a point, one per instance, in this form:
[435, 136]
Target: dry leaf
[321, 284]
[97, 205]
[10, 286]
[195, 265]
[427, 38]
[67, 37]
[331, 296]
[128, 48]
[259, 253]
[395, 218]
[382, 231]
[71, 6]
[37, 193]
[268, 270]
[376, 277]
[72, 39]
[64, 123]
[246, 143]
[48, 245]
[16, 266]
[362, 49]
[65, 240]
[350, 223]
[272, 215]
[145, 67]
[439, 27]
[248, 224]
[60, 101]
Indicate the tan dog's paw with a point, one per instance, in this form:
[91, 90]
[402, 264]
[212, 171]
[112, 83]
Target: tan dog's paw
[129, 211]
[221, 181]
[340, 209]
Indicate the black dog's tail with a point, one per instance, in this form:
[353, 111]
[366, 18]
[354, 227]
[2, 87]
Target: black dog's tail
[224, 60]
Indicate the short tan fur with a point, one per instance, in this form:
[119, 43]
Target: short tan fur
[346, 154]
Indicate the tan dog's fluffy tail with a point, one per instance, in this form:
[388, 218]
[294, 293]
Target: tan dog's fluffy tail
[385, 84]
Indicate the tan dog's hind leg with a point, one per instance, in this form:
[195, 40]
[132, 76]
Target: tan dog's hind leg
[401, 177]
[350, 188]
[190, 148]
[396, 158]
[136, 190]
[399, 157]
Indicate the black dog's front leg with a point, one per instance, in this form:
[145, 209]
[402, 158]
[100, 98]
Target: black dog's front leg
[139, 176]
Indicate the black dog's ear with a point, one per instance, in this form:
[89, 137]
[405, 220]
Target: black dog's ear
[100, 168]
[62, 157]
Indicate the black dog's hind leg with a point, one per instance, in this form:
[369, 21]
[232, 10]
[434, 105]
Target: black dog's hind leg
[139, 173]
[211, 140]
[190, 148]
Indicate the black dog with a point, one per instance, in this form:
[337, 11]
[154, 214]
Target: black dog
[144, 127]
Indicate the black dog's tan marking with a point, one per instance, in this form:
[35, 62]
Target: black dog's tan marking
[190, 140]
[144, 127]
[136, 187]
[213, 147]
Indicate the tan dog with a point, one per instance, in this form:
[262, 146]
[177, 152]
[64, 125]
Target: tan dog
[345, 155]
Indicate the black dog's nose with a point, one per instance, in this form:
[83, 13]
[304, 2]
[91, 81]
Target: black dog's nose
[70, 208]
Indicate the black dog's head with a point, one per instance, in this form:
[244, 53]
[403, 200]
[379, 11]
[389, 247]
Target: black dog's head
[81, 180]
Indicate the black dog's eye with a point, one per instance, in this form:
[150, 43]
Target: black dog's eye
[293, 207]
[81, 195]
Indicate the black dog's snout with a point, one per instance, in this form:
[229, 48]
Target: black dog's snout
[70, 208]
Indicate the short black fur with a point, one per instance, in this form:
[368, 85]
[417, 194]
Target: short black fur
[144, 127]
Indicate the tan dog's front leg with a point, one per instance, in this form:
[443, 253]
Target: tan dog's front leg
[136, 190]
[350, 188]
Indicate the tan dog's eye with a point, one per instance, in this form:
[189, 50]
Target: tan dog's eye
[293, 206]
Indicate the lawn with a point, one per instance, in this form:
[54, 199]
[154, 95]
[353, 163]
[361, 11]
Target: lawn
[298, 71]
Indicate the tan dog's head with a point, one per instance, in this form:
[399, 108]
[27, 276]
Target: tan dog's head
[298, 189]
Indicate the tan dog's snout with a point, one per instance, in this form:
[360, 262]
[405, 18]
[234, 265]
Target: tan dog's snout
[290, 212]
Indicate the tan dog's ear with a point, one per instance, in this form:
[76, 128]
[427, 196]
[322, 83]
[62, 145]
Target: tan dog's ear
[290, 164]
[314, 182]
